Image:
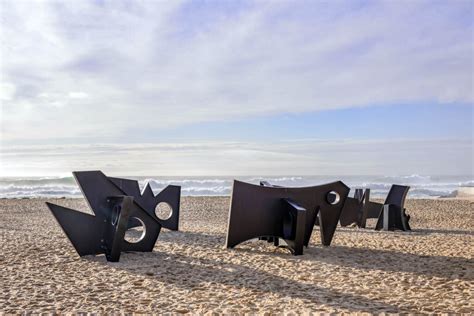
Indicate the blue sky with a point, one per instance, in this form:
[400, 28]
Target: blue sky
[236, 87]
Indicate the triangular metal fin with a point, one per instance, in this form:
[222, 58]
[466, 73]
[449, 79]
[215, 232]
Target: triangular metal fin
[83, 230]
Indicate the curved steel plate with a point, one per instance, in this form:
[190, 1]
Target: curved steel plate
[256, 211]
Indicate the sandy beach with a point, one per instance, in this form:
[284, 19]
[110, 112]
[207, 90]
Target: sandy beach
[430, 269]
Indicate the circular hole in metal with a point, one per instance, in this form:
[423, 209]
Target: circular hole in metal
[135, 234]
[115, 214]
[163, 211]
[333, 197]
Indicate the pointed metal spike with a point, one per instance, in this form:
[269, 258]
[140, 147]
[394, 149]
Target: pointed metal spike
[147, 200]
[148, 192]
[96, 188]
[83, 230]
[130, 187]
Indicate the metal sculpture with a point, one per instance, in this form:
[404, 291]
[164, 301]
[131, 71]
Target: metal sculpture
[353, 210]
[276, 212]
[118, 206]
[392, 213]
[148, 201]
[369, 210]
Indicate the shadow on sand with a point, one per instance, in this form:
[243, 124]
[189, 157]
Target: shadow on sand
[427, 231]
[353, 257]
[191, 272]
[417, 231]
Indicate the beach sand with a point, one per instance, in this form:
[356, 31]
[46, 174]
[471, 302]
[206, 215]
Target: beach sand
[430, 269]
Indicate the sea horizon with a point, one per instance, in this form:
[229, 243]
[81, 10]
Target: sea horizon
[422, 186]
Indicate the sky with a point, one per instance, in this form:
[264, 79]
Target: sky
[236, 87]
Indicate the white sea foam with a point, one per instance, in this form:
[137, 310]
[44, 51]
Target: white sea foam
[467, 184]
[421, 186]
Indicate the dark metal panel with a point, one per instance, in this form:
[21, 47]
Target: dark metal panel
[359, 208]
[256, 211]
[83, 230]
[365, 204]
[171, 195]
[373, 209]
[397, 195]
[96, 187]
[319, 206]
[129, 187]
[253, 213]
[148, 201]
[294, 226]
[117, 225]
[115, 212]
[393, 214]
[351, 212]
[152, 231]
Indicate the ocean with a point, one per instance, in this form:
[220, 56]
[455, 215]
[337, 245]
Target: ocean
[421, 186]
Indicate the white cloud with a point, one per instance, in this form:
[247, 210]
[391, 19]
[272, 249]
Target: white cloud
[78, 95]
[7, 91]
[165, 64]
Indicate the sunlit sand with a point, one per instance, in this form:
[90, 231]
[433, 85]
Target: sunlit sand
[430, 269]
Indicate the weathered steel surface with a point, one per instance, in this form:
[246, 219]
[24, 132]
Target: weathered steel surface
[351, 212]
[282, 212]
[148, 201]
[115, 211]
[354, 207]
[392, 213]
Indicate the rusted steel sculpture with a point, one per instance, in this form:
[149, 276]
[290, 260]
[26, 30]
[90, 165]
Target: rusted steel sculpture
[392, 213]
[353, 210]
[276, 212]
[118, 206]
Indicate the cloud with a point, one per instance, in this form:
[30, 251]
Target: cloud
[171, 63]
[78, 95]
[7, 91]
[295, 157]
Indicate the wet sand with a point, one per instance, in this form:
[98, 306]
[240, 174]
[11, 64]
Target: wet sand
[430, 269]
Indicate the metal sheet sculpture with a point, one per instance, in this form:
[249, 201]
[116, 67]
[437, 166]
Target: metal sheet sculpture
[392, 213]
[280, 212]
[118, 206]
[353, 210]
[369, 209]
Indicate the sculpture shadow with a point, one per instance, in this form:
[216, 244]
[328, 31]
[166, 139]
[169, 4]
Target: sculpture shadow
[429, 231]
[414, 231]
[213, 241]
[359, 258]
[187, 274]
[394, 261]
[193, 238]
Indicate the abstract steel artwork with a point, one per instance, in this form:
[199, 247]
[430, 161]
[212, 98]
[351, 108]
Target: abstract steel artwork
[390, 215]
[118, 207]
[272, 212]
[353, 210]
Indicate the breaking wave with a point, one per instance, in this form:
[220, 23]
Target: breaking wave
[421, 186]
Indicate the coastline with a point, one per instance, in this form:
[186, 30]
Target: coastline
[468, 197]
